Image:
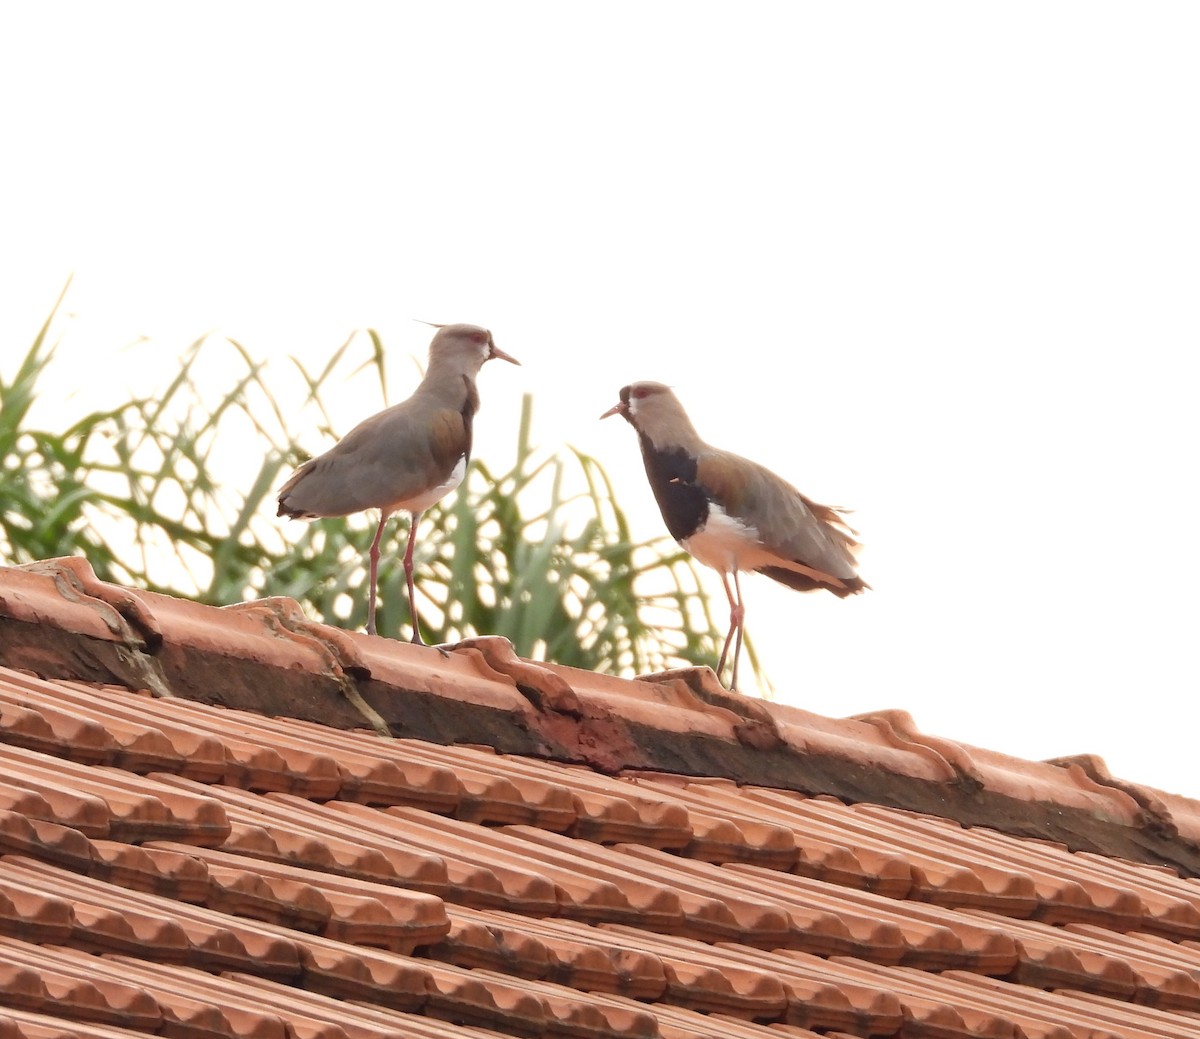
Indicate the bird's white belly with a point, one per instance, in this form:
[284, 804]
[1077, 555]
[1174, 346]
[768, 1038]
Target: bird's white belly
[727, 544]
[422, 501]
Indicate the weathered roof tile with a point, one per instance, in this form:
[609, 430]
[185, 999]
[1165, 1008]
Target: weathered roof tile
[541, 845]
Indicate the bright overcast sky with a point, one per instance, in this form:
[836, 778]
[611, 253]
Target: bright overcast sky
[938, 262]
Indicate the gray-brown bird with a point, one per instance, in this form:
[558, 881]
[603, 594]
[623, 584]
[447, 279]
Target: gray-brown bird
[407, 457]
[732, 514]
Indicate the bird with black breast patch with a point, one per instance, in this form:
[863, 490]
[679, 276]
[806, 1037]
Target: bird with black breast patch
[733, 514]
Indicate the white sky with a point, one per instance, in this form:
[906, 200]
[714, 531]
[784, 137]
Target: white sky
[936, 261]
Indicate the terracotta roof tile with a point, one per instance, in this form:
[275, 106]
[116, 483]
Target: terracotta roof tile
[141, 1004]
[1067, 890]
[67, 594]
[775, 915]
[702, 978]
[49, 841]
[581, 892]
[330, 854]
[704, 911]
[23, 1024]
[551, 796]
[102, 729]
[212, 938]
[35, 797]
[834, 853]
[39, 980]
[935, 872]
[681, 1023]
[205, 872]
[477, 874]
[358, 911]
[821, 996]
[1166, 973]
[567, 952]
[489, 792]
[563, 1011]
[273, 657]
[1172, 904]
[287, 829]
[104, 801]
[934, 938]
[283, 765]
[485, 938]
[149, 869]
[34, 914]
[1036, 1011]
[773, 839]
[184, 995]
[49, 730]
[242, 1006]
[39, 987]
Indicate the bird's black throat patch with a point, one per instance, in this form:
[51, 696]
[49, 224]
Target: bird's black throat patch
[672, 476]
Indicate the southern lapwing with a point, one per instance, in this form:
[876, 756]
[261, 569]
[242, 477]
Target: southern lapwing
[732, 514]
[406, 457]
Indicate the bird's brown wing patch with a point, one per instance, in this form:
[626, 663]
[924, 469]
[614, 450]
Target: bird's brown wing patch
[448, 438]
[724, 479]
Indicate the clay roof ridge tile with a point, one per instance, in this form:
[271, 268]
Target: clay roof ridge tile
[545, 688]
[900, 730]
[284, 618]
[124, 612]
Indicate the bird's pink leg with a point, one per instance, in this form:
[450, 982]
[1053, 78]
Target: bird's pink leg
[740, 613]
[736, 616]
[408, 577]
[373, 555]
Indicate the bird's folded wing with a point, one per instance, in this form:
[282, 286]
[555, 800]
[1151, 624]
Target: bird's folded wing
[385, 462]
[790, 526]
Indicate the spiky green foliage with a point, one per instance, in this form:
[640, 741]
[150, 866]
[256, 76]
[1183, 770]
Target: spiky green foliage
[156, 493]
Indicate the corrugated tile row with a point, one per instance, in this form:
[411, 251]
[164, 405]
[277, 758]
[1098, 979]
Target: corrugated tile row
[943, 863]
[884, 850]
[193, 871]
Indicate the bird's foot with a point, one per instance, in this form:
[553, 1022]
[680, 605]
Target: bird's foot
[418, 641]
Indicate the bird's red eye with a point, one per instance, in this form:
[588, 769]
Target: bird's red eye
[638, 392]
[479, 337]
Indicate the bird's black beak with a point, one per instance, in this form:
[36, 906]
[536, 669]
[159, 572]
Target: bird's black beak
[621, 408]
